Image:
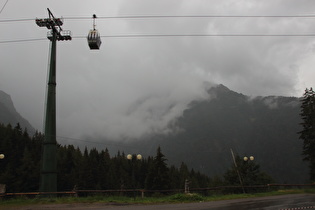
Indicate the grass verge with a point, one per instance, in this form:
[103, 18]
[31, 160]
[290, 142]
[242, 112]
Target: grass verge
[12, 203]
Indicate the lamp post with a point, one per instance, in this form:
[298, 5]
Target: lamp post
[248, 170]
[2, 186]
[132, 159]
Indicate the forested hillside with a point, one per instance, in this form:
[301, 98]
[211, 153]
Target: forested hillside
[90, 169]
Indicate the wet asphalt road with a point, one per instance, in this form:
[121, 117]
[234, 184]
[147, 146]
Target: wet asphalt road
[283, 202]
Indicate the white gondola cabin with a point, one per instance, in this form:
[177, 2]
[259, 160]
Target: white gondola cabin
[94, 38]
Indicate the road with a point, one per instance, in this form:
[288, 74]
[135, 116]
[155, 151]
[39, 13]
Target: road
[282, 202]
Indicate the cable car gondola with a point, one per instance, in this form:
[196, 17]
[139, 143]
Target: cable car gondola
[94, 38]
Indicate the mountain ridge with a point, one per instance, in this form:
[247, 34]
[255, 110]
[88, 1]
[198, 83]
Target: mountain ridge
[9, 115]
[265, 127]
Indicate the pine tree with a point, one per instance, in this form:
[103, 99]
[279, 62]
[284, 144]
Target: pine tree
[184, 174]
[28, 173]
[308, 129]
[86, 180]
[158, 174]
[103, 169]
[175, 182]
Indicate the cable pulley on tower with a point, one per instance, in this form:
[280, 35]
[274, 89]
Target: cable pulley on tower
[63, 35]
[48, 22]
[54, 24]
[94, 38]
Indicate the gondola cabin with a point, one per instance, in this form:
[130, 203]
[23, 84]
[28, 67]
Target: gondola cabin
[94, 40]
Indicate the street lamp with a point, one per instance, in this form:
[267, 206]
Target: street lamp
[248, 169]
[2, 186]
[130, 157]
[251, 158]
[138, 157]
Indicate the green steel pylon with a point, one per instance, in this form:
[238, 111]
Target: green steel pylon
[48, 182]
[48, 179]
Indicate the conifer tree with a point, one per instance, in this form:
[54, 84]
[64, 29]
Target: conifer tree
[158, 174]
[308, 129]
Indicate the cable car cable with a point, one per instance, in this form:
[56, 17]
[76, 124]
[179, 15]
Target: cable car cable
[170, 35]
[171, 16]
[22, 40]
[3, 6]
[196, 16]
[200, 35]
[206, 35]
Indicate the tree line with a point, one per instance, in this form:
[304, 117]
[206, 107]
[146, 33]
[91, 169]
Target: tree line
[88, 169]
[97, 170]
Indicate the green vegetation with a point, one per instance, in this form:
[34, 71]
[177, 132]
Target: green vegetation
[176, 198]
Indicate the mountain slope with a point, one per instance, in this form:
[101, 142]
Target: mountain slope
[9, 115]
[265, 127]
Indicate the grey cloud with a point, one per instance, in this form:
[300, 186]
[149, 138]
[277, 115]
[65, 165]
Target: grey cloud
[134, 86]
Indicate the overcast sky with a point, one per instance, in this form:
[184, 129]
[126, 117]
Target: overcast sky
[136, 85]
